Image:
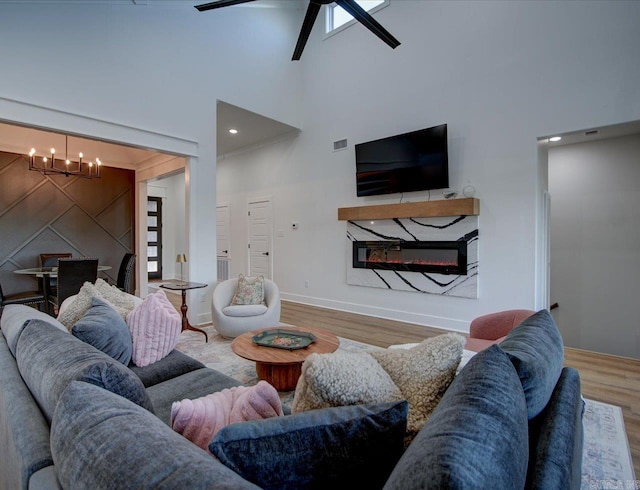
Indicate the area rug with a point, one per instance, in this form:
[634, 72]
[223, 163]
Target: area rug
[606, 458]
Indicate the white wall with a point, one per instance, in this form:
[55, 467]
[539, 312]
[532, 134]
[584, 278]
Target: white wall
[595, 232]
[500, 74]
[150, 76]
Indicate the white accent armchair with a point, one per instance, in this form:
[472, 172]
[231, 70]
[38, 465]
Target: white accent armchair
[231, 321]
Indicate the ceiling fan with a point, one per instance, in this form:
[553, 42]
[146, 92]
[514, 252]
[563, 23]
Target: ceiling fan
[355, 10]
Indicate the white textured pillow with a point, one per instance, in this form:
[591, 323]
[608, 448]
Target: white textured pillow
[155, 326]
[120, 301]
[78, 307]
[342, 378]
[423, 373]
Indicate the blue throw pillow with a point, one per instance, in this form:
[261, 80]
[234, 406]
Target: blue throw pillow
[536, 350]
[353, 446]
[477, 437]
[103, 327]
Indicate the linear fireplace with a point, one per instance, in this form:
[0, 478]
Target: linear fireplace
[419, 256]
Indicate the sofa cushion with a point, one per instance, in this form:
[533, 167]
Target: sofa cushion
[102, 327]
[244, 310]
[556, 437]
[102, 441]
[174, 364]
[193, 384]
[15, 318]
[342, 378]
[476, 437]
[49, 359]
[155, 327]
[343, 447]
[201, 418]
[536, 350]
[423, 373]
[249, 291]
[24, 432]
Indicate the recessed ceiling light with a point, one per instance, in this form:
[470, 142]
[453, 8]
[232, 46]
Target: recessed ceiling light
[233, 131]
[555, 138]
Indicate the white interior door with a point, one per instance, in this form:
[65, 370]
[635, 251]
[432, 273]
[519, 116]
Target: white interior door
[260, 238]
[223, 226]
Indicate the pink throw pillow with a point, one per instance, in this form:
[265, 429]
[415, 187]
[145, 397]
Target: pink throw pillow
[200, 419]
[155, 326]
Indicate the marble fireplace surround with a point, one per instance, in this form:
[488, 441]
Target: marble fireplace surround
[435, 221]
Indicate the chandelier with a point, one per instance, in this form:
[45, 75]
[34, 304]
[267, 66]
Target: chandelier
[52, 165]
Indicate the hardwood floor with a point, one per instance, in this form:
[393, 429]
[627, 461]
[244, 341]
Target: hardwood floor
[605, 378]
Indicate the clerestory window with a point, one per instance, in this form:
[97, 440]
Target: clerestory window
[337, 18]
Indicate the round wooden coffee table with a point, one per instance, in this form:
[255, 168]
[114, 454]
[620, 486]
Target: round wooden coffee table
[281, 367]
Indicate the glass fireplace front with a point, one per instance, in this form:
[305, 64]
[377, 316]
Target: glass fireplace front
[420, 256]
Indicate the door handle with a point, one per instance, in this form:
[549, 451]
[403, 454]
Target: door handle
[225, 251]
[265, 253]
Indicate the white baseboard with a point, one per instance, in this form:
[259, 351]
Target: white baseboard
[450, 324]
[200, 319]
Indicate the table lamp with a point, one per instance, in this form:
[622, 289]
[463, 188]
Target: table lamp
[181, 258]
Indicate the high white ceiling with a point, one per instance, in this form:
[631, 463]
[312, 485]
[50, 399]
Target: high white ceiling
[593, 134]
[18, 139]
[172, 3]
[253, 129]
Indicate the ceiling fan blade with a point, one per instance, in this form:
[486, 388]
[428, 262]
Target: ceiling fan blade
[219, 3]
[307, 25]
[369, 22]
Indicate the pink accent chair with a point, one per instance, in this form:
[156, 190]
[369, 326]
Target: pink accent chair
[490, 329]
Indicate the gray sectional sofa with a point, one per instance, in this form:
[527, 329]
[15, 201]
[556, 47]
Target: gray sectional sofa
[72, 417]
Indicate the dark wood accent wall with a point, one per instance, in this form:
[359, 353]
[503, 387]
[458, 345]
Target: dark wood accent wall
[52, 214]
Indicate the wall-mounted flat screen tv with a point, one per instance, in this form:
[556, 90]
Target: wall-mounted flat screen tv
[407, 162]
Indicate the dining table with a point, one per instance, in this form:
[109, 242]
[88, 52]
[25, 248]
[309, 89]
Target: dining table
[41, 272]
[51, 271]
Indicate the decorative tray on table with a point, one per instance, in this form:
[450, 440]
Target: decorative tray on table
[284, 339]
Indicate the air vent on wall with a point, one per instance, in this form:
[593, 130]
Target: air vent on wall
[340, 145]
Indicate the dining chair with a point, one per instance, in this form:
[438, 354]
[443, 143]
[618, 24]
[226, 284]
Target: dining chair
[125, 280]
[50, 260]
[72, 274]
[30, 298]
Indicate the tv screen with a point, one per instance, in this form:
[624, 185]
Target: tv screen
[407, 162]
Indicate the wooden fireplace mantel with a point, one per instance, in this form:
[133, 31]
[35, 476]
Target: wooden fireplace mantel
[467, 206]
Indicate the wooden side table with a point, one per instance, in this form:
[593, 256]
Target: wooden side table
[184, 287]
[281, 367]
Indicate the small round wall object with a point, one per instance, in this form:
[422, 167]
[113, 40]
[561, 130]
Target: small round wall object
[469, 190]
